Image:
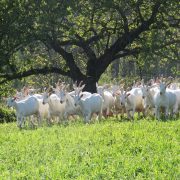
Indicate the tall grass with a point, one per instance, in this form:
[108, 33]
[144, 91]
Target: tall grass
[106, 150]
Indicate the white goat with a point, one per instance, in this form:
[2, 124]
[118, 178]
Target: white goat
[68, 99]
[89, 105]
[43, 108]
[24, 108]
[118, 106]
[55, 107]
[164, 99]
[177, 104]
[108, 98]
[132, 100]
[148, 93]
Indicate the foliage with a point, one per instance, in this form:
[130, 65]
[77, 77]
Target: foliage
[106, 150]
[80, 39]
[6, 114]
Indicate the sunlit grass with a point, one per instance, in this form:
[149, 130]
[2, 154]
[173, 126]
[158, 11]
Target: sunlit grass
[101, 150]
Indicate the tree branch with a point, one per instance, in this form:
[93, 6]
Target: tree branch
[68, 57]
[127, 52]
[96, 37]
[139, 10]
[136, 51]
[85, 46]
[125, 20]
[44, 71]
[93, 39]
[126, 39]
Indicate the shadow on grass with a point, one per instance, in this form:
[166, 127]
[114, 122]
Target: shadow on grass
[79, 121]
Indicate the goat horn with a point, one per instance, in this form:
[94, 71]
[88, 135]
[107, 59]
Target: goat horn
[168, 84]
[80, 84]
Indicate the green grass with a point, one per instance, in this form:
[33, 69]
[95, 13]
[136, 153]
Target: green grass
[106, 150]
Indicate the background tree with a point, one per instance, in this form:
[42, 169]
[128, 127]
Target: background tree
[80, 39]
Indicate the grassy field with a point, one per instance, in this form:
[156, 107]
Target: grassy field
[106, 150]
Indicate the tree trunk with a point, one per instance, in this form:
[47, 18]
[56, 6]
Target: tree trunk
[115, 69]
[90, 85]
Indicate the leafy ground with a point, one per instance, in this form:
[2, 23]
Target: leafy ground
[106, 150]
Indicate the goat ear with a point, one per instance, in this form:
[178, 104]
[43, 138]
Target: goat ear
[81, 95]
[128, 94]
[45, 89]
[75, 85]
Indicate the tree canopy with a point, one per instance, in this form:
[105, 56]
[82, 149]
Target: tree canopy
[81, 38]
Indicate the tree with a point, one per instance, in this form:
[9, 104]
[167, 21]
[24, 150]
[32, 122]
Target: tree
[91, 34]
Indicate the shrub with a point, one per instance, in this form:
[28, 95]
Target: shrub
[7, 114]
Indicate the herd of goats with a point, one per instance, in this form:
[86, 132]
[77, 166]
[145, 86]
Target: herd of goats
[58, 103]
